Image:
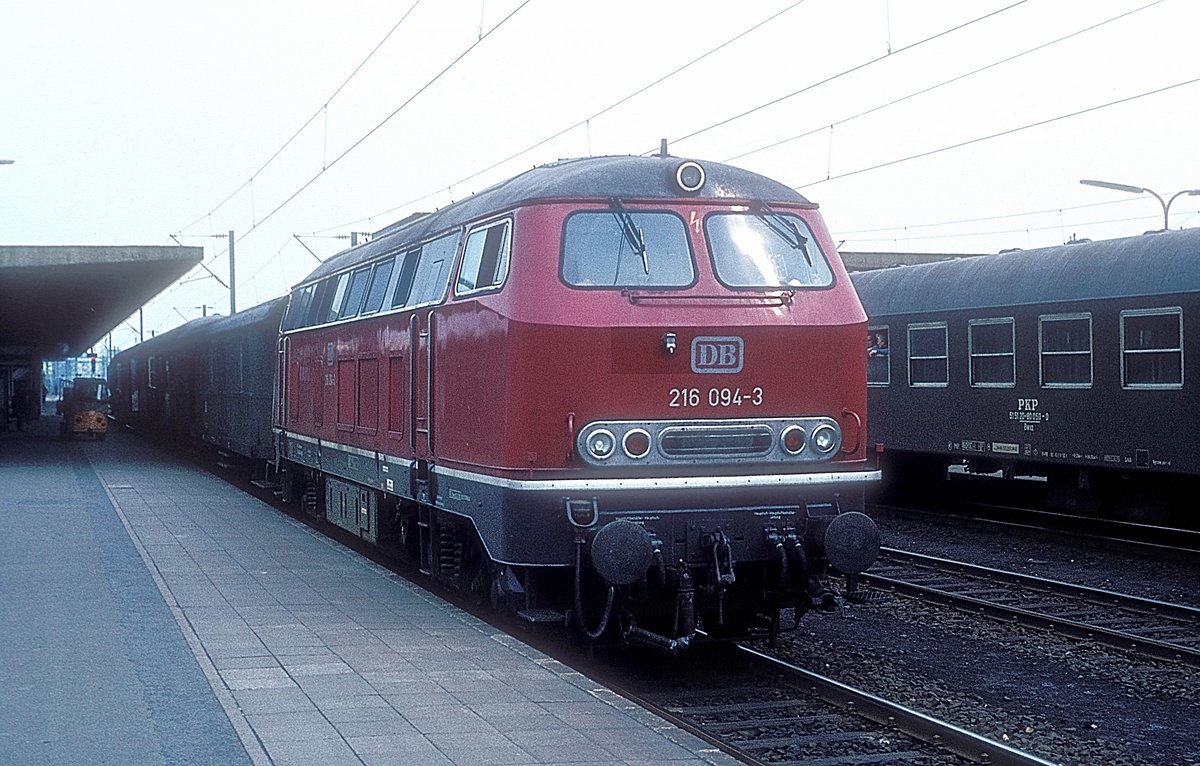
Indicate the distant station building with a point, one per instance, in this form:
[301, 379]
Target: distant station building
[56, 302]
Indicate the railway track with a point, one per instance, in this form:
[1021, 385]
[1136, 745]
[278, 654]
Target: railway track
[1174, 540]
[1153, 628]
[756, 708]
[762, 710]
[759, 709]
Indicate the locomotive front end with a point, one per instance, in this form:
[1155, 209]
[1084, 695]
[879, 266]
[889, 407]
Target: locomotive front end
[716, 519]
[713, 387]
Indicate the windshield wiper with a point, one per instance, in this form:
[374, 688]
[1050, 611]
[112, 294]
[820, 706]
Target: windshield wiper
[785, 229]
[633, 235]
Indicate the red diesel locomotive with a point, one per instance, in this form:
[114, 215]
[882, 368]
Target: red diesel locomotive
[628, 392]
[628, 389]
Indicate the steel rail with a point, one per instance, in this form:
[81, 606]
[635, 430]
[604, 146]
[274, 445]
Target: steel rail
[1174, 540]
[1177, 613]
[918, 725]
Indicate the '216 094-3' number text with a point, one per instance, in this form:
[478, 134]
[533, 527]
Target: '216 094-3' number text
[715, 397]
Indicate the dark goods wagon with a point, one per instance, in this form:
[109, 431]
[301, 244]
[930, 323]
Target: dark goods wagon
[1069, 365]
[210, 381]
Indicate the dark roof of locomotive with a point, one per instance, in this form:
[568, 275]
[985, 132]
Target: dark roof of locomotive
[582, 178]
[1152, 264]
[270, 311]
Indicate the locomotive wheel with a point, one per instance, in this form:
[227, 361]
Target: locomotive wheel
[475, 577]
[482, 586]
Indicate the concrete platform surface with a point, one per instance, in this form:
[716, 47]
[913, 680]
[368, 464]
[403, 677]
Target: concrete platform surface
[151, 613]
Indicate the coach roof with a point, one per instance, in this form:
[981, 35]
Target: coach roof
[206, 327]
[583, 178]
[1152, 264]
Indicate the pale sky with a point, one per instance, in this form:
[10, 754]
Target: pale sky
[129, 122]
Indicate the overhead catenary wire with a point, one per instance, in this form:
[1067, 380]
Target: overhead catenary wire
[980, 219]
[944, 83]
[777, 100]
[387, 119]
[677, 70]
[580, 123]
[322, 110]
[363, 138]
[1076, 224]
[843, 73]
[639, 91]
[1002, 133]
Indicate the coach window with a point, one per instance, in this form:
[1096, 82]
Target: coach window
[1152, 348]
[339, 297]
[928, 364]
[879, 368]
[625, 249]
[354, 294]
[152, 372]
[381, 275]
[766, 249]
[432, 277]
[990, 344]
[485, 258]
[1065, 350]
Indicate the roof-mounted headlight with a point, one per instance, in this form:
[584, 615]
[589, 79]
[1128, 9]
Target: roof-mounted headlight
[689, 176]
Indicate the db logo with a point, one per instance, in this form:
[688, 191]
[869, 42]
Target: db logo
[717, 354]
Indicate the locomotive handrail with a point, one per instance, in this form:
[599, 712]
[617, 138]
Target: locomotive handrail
[783, 298]
[858, 429]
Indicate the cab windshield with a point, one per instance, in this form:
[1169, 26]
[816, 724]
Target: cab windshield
[620, 248]
[90, 390]
[766, 249]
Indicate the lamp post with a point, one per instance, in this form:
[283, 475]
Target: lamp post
[1166, 204]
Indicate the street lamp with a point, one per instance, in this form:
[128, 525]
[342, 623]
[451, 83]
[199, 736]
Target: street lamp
[1166, 204]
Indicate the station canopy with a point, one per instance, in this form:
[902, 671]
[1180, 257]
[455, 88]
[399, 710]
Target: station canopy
[56, 302]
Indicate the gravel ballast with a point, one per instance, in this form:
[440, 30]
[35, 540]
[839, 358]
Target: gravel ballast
[1067, 701]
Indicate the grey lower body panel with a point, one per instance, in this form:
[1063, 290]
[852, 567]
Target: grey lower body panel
[524, 522]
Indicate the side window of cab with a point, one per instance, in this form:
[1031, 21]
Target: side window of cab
[485, 258]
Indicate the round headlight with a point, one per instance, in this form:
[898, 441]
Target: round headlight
[824, 438]
[636, 443]
[601, 444]
[689, 176]
[792, 439]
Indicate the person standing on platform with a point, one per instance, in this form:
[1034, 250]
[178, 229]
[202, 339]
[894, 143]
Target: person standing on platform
[21, 400]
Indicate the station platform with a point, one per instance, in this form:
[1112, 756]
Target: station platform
[151, 613]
